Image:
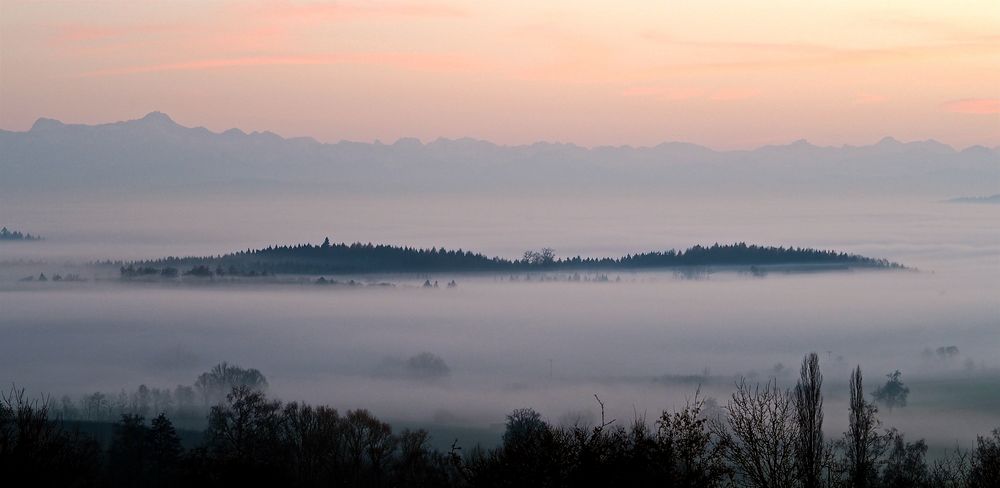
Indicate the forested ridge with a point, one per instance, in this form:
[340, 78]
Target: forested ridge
[359, 258]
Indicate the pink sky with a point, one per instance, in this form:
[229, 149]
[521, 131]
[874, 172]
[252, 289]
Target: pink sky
[725, 74]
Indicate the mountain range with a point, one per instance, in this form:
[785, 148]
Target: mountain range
[156, 153]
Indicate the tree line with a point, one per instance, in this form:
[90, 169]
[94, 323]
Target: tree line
[343, 258]
[15, 235]
[184, 404]
[765, 436]
[141, 272]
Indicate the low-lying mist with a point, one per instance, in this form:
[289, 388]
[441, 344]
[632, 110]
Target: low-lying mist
[644, 343]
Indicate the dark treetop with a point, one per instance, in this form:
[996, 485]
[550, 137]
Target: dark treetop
[9, 235]
[989, 199]
[361, 258]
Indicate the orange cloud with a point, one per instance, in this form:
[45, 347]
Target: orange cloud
[804, 55]
[239, 26]
[417, 62]
[980, 106]
[742, 47]
[75, 34]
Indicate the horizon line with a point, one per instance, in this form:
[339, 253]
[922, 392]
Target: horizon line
[159, 115]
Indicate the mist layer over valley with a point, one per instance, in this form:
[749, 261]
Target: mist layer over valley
[643, 343]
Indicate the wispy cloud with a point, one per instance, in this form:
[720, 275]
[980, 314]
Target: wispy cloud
[980, 106]
[964, 30]
[410, 61]
[737, 56]
[233, 35]
[239, 25]
[741, 47]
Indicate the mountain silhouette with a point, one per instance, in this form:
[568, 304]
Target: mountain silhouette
[157, 152]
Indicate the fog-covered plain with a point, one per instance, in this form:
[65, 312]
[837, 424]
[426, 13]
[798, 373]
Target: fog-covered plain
[642, 344]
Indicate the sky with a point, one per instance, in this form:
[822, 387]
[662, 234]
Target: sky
[726, 74]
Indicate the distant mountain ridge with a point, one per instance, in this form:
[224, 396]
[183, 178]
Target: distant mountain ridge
[156, 152]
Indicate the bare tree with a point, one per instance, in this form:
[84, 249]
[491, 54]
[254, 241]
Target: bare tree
[905, 463]
[761, 437]
[809, 422]
[369, 445]
[314, 440]
[546, 256]
[217, 383]
[695, 452]
[245, 430]
[952, 471]
[984, 465]
[35, 447]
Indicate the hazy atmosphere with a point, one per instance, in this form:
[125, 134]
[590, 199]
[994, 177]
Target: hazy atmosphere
[636, 222]
[617, 339]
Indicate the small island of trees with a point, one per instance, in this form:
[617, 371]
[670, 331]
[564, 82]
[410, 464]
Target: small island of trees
[16, 235]
[359, 258]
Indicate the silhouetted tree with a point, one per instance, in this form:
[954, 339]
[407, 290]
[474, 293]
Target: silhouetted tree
[691, 454]
[761, 438]
[863, 442]
[770, 437]
[368, 446]
[809, 422]
[905, 464]
[984, 469]
[419, 465]
[127, 456]
[243, 436]
[951, 471]
[218, 382]
[427, 365]
[36, 449]
[894, 392]
[314, 437]
[164, 451]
